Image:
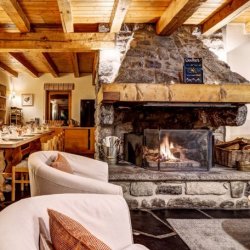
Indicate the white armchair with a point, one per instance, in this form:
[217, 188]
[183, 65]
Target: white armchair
[105, 216]
[90, 176]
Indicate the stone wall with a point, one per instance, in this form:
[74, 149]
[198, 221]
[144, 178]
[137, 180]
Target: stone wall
[186, 194]
[142, 56]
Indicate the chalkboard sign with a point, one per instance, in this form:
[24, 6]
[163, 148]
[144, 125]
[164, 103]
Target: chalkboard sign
[192, 70]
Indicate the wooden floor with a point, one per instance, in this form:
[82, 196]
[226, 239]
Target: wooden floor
[150, 225]
[19, 195]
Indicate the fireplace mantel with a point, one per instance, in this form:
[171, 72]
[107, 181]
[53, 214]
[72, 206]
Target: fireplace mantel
[174, 93]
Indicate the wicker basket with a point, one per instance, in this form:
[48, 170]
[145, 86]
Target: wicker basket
[229, 158]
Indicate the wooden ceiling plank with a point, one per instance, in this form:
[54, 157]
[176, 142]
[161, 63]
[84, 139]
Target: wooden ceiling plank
[175, 15]
[66, 15]
[16, 14]
[56, 42]
[95, 66]
[119, 12]
[8, 69]
[47, 60]
[222, 17]
[75, 64]
[21, 59]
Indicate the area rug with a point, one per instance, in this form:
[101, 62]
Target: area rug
[213, 234]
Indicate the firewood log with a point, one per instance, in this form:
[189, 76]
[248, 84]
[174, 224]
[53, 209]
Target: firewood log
[239, 141]
[246, 147]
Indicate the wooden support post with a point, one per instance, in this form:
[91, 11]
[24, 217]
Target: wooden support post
[66, 15]
[119, 12]
[74, 59]
[95, 66]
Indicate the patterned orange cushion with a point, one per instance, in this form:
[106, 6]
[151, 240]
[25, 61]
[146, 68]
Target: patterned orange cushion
[62, 164]
[67, 233]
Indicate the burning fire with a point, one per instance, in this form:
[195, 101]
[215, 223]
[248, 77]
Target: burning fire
[165, 149]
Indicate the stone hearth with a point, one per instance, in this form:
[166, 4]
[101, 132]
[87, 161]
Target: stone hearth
[219, 188]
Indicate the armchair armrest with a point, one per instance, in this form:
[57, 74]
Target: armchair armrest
[52, 181]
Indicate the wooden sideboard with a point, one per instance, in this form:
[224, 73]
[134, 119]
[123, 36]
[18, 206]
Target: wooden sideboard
[78, 140]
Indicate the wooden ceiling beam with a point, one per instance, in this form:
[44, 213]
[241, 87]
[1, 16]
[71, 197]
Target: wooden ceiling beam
[16, 14]
[222, 17]
[47, 60]
[175, 15]
[66, 15]
[8, 69]
[21, 59]
[75, 64]
[174, 93]
[118, 14]
[55, 42]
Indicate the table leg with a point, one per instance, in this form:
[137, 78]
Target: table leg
[12, 157]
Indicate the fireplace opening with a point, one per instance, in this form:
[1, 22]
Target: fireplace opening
[170, 150]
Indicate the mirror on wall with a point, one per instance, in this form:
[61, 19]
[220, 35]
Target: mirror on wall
[58, 106]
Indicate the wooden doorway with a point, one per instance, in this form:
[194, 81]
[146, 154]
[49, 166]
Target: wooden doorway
[87, 113]
[58, 105]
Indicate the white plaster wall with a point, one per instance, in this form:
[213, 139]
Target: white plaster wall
[238, 49]
[238, 57]
[27, 84]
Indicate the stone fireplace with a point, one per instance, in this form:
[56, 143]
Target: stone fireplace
[132, 122]
[140, 101]
[145, 59]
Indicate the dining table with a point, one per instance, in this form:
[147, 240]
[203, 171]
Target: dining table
[14, 149]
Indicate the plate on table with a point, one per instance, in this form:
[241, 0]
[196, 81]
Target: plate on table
[27, 135]
[15, 139]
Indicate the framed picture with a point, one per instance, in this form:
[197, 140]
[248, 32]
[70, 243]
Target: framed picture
[192, 70]
[27, 99]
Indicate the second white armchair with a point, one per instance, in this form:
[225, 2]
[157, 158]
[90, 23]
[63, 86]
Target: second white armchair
[89, 175]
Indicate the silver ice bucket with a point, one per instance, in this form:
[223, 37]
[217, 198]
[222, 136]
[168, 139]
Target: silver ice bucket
[110, 148]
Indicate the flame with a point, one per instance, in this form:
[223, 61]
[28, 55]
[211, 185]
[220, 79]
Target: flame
[165, 151]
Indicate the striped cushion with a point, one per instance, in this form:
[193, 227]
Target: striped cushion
[67, 233]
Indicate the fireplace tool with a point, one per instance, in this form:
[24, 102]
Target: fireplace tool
[110, 148]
